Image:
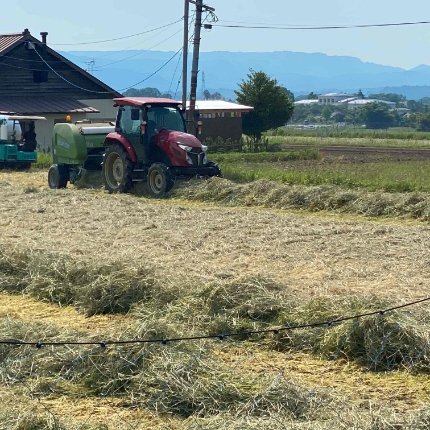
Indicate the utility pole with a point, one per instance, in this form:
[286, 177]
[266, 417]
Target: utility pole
[185, 55]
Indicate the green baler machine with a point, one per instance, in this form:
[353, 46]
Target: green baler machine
[76, 147]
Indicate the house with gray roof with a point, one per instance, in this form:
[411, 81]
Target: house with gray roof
[37, 80]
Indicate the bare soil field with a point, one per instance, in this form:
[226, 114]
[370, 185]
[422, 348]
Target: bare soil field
[195, 244]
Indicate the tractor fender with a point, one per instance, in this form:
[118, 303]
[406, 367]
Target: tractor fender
[112, 138]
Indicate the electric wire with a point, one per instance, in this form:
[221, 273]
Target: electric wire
[151, 75]
[66, 80]
[324, 27]
[117, 38]
[138, 53]
[95, 58]
[109, 92]
[165, 341]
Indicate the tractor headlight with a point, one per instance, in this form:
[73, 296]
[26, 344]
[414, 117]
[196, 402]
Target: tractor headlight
[204, 148]
[185, 147]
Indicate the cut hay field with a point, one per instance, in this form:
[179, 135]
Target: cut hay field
[213, 258]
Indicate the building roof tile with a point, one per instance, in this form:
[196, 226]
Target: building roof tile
[37, 106]
[8, 40]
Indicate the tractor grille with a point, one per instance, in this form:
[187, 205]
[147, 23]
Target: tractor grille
[197, 156]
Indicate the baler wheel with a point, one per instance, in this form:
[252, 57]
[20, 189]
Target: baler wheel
[159, 180]
[57, 176]
[117, 170]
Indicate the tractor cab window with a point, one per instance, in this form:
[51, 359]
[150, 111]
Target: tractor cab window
[164, 117]
[130, 120]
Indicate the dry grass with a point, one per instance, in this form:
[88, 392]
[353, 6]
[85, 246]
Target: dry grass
[216, 269]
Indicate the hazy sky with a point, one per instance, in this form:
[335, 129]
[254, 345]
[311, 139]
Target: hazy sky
[91, 20]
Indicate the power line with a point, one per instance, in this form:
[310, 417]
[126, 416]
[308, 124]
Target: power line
[324, 27]
[70, 83]
[84, 89]
[165, 341]
[117, 38]
[139, 53]
[96, 58]
[150, 76]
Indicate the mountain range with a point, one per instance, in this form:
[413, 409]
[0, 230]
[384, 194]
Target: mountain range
[223, 71]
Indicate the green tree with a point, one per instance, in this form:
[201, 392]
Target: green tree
[207, 95]
[389, 97]
[338, 116]
[423, 121]
[312, 96]
[143, 92]
[376, 115]
[288, 93]
[416, 107]
[216, 96]
[132, 92]
[272, 106]
[326, 113]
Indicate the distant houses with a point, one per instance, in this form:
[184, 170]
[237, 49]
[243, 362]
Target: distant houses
[351, 101]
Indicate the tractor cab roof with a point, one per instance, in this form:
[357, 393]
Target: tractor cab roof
[142, 101]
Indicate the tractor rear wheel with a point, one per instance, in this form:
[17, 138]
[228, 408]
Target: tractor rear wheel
[159, 180]
[117, 170]
[57, 176]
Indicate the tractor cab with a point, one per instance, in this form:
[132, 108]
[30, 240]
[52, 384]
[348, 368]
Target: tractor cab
[18, 140]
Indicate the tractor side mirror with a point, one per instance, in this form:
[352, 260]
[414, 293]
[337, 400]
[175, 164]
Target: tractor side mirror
[135, 114]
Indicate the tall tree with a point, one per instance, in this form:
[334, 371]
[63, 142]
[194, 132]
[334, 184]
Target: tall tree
[272, 105]
[376, 115]
[216, 96]
[207, 95]
[143, 92]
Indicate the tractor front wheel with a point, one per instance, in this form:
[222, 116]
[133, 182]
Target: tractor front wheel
[216, 168]
[159, 180]
[57, 176]
[117, 170]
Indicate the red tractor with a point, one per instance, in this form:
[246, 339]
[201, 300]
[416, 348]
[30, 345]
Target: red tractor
[149, 144]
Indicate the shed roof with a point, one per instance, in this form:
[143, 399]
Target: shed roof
[38, 106]
[220, 105]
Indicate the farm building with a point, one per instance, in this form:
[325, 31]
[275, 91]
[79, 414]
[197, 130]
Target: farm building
[221, 119]
[37, 80]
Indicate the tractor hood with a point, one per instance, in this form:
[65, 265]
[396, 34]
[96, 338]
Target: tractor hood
[178, 138]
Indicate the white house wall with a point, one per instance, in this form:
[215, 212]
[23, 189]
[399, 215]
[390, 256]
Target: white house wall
[105, 106]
